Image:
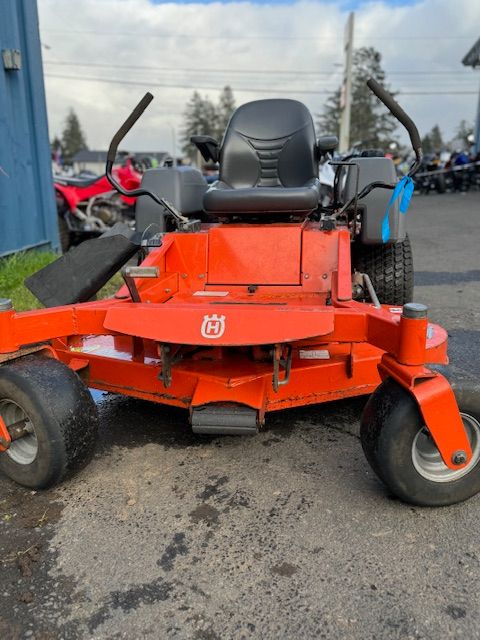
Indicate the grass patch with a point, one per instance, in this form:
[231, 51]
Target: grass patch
[15, 268]
[13, 271]
[111, 288]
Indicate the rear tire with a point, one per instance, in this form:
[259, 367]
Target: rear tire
[399, 449]
[64, 235]
[390, 267]
[60, 415]
[440, 183]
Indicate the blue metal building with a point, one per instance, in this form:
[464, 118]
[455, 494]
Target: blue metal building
[27, 204]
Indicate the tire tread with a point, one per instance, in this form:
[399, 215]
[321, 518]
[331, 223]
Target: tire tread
[390, 267]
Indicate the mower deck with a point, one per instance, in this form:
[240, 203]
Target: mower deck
[320, 370]
[181, 333]
[318, 373]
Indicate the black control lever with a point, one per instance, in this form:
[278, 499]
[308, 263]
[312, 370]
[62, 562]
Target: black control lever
[183, 223]
[127, 125]
[397, 111]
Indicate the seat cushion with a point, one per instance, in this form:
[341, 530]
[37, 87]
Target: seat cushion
[222, 199]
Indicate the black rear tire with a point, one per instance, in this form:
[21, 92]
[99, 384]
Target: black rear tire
[440, 183]
[390, 267]
[64, 234]
[61, 416]
[391, 434]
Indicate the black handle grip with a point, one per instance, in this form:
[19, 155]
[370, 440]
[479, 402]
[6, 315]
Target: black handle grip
[396, 110]
[127, 125]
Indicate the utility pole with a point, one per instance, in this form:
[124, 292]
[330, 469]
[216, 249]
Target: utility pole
[174, 143]
[346, 92]
[477, 127]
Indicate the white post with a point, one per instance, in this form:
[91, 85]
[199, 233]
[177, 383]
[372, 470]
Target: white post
[346, 92]
[174, 143]
[477, 127]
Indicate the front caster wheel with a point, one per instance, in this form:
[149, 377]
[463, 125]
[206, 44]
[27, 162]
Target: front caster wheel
[56, 416]
[400, 450]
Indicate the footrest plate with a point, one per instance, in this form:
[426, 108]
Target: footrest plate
[225, 419]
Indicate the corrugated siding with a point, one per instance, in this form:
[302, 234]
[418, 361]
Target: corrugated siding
[27, 204]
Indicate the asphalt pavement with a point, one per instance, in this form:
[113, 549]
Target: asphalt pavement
[285, 535]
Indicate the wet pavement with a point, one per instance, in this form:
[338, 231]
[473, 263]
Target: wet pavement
[284, 535]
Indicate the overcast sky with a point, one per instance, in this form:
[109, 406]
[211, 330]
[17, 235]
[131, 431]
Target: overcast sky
[100, 56]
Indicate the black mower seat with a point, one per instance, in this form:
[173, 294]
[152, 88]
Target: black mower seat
[268, 161]
[221, 198]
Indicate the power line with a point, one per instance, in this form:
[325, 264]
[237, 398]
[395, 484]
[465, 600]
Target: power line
[190, 69]
[146, 83]
[455, 72]
[279, 37]
[189, 36]
[240, 89]
[438, 93]
[296, 72]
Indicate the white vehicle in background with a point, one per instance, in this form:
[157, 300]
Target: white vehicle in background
[327, 177]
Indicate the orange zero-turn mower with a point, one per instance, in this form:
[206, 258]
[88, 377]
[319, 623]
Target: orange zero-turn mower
[257, 299]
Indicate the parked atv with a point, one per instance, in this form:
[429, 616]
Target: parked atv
[88, 206]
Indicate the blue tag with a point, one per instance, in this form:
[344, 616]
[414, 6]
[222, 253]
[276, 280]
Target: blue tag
[403, 188]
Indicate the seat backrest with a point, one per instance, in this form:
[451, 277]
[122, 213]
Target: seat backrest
[269, 143]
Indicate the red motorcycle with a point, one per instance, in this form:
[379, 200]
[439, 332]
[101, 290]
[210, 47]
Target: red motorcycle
[86, 207]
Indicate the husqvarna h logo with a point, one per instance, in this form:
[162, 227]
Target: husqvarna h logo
[213, 326]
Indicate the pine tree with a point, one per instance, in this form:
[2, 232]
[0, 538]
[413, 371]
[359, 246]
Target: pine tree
[73, 138]
[427, 146]
[226, 106]
[432, 142]
[200, 119]
[437, 140]
[371, 124]
[328, 122]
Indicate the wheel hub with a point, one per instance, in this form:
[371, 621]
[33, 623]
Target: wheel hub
[428, 462]
[22, 450]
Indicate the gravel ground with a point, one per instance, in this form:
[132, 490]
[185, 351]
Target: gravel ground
[284, 535]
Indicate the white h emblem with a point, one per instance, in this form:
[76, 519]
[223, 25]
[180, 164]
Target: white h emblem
[213, 326]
